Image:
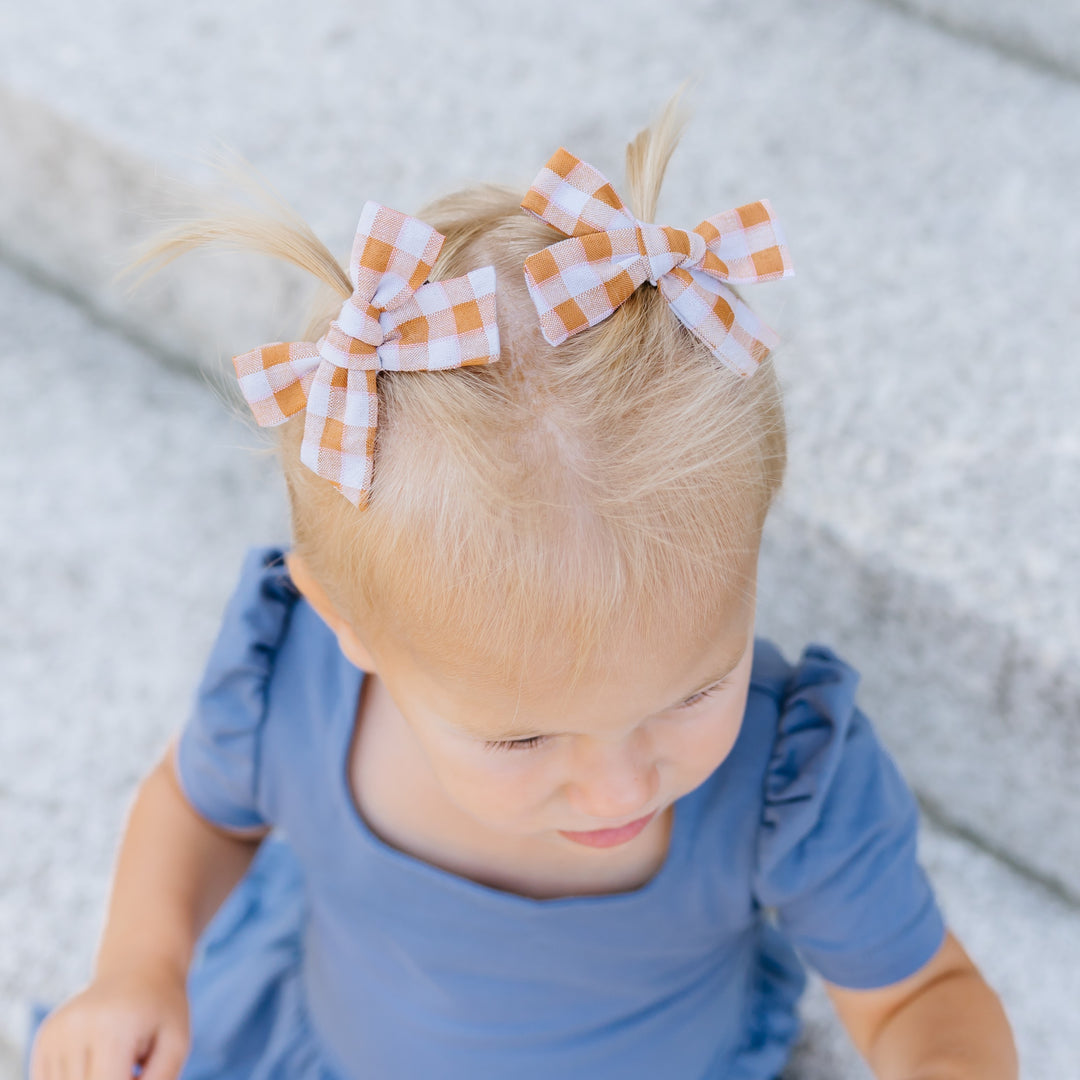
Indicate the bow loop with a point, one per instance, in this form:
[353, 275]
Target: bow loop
[392, 256]
[576, 199]
[578, 282]
[394, 320]
[745, 245]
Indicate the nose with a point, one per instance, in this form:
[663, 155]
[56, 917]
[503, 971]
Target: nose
[613, 780]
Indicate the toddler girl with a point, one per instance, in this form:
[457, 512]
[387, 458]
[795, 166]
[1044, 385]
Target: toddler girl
[488, 769]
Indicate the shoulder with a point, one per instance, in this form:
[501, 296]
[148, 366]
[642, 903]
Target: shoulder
[798, 711]
[820, 742]
[253, 630]
[263, 598]
[802, 727]
[836, 835]
[817, 722]
[217, 753]
[818, 666]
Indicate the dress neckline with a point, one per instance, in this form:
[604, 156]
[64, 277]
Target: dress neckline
[343, 731]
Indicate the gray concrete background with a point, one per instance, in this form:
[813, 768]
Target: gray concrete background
[1044, 34]
[923, 156]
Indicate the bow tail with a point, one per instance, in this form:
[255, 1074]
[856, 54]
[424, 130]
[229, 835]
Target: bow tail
[712, 312]
[339, 429]
[274, 379]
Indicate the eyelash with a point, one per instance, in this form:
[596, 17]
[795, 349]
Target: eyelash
[516, 744]
[537, 740]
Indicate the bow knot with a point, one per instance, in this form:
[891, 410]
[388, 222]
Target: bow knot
[578, 282]
[357, 347]
[667, 248]
[392, 321]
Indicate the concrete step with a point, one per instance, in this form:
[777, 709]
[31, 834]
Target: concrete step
[1045, 35]
[137, 492]
[132, 494]
[930, 524]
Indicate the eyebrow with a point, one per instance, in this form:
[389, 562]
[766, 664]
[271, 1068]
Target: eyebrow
[510, 734]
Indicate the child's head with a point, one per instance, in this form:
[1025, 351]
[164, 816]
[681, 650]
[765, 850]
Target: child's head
[531, 516]
[575, 524]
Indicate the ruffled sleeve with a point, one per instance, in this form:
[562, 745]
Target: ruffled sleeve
[836, 853]
[218, 750]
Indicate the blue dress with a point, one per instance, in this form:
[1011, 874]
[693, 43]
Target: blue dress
[339, 957]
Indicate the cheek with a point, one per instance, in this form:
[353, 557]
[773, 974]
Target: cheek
[493, 785]
[706, 740]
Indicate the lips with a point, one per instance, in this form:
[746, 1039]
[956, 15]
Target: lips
[609, 837]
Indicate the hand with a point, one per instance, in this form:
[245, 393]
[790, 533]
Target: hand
[120, 1020]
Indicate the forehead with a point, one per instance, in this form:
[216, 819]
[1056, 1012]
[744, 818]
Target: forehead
[636, 680]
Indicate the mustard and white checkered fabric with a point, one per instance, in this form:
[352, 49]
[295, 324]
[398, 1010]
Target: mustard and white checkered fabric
[392, 322]
[579, 282]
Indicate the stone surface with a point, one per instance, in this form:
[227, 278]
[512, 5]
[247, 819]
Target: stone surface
[1025, 941]
[132, 494]
[1044, 34]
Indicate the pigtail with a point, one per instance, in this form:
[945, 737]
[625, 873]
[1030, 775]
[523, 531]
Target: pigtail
[647, 157]
[269, 226]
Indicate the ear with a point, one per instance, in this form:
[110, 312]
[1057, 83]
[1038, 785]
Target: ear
[315, 595]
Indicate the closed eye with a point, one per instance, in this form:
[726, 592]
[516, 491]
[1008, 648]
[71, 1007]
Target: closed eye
[516, 744]
[537, 740]
[694, 699]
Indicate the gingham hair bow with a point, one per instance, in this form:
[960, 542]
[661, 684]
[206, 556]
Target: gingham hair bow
[392, 322]
[579, 282]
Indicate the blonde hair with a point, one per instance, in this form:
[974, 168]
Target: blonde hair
[551, 504]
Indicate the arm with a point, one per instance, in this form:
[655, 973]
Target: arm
[942, 1023]
[172, 872]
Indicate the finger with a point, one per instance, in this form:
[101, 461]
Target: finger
[40, 1065]
[111, 1060]
[63, 1048]
[166, 1056]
